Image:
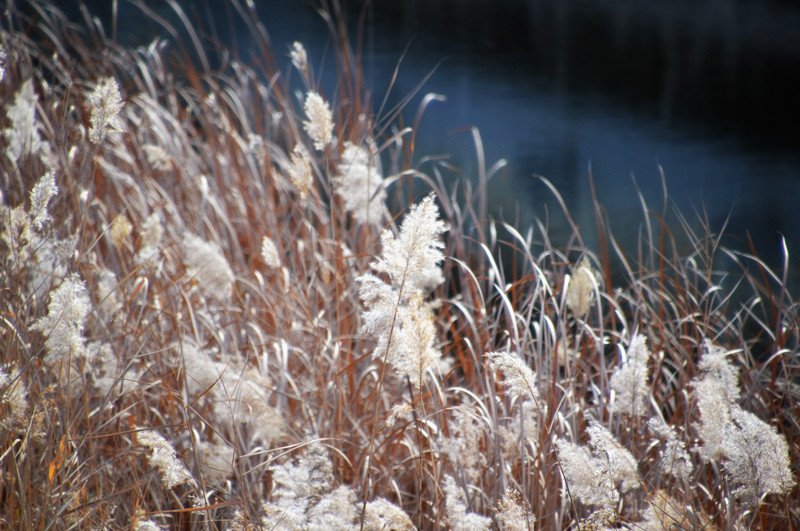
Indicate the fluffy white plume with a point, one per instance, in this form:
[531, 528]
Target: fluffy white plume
[396, 312]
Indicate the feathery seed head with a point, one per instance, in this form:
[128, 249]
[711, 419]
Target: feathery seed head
[269, 252]
[63, 325]
[456, 506]
[121, 228]
[396, 310]
[381, 514]
[164, 459]
[303, 495]
[110, 374]
[675, 460]
[565, 355]
[416, 341]
[665, 512]
[15, 395]
[152, 230]
[23, 132]
[618, 460]
[412, 259]
[756, 457]
[520, 380]
[716, 389]
[206, 263]
[41, 194]
[106, 104]
[17, 233]
[300, 170]
[24, 135]
[299, 57]
[158, 157]
[587, 476]
[216, 461]
[715, 415]
[714, 364]
[511, 512]
[145, 524]
[629, 380]
[150, 236]
[398, 410]
[360, 184]
[336, 510]
[319, 120]
[581, 288]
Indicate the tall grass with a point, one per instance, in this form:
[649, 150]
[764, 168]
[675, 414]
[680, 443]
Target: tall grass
[231, 303]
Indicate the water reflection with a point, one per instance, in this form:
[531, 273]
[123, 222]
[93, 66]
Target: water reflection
[699, 88]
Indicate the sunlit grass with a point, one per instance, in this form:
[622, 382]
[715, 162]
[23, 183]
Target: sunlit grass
[223, 307]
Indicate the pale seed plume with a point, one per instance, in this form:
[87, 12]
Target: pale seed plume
[106, 103]
[319, 120]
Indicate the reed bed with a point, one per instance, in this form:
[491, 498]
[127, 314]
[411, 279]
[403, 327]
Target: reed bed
[231, 301]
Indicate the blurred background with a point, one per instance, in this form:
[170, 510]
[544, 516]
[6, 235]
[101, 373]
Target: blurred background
[706, 90]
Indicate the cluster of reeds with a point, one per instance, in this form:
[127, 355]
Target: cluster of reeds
[230, 301]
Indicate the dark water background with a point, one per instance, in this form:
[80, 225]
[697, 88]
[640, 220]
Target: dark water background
[708, 90]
